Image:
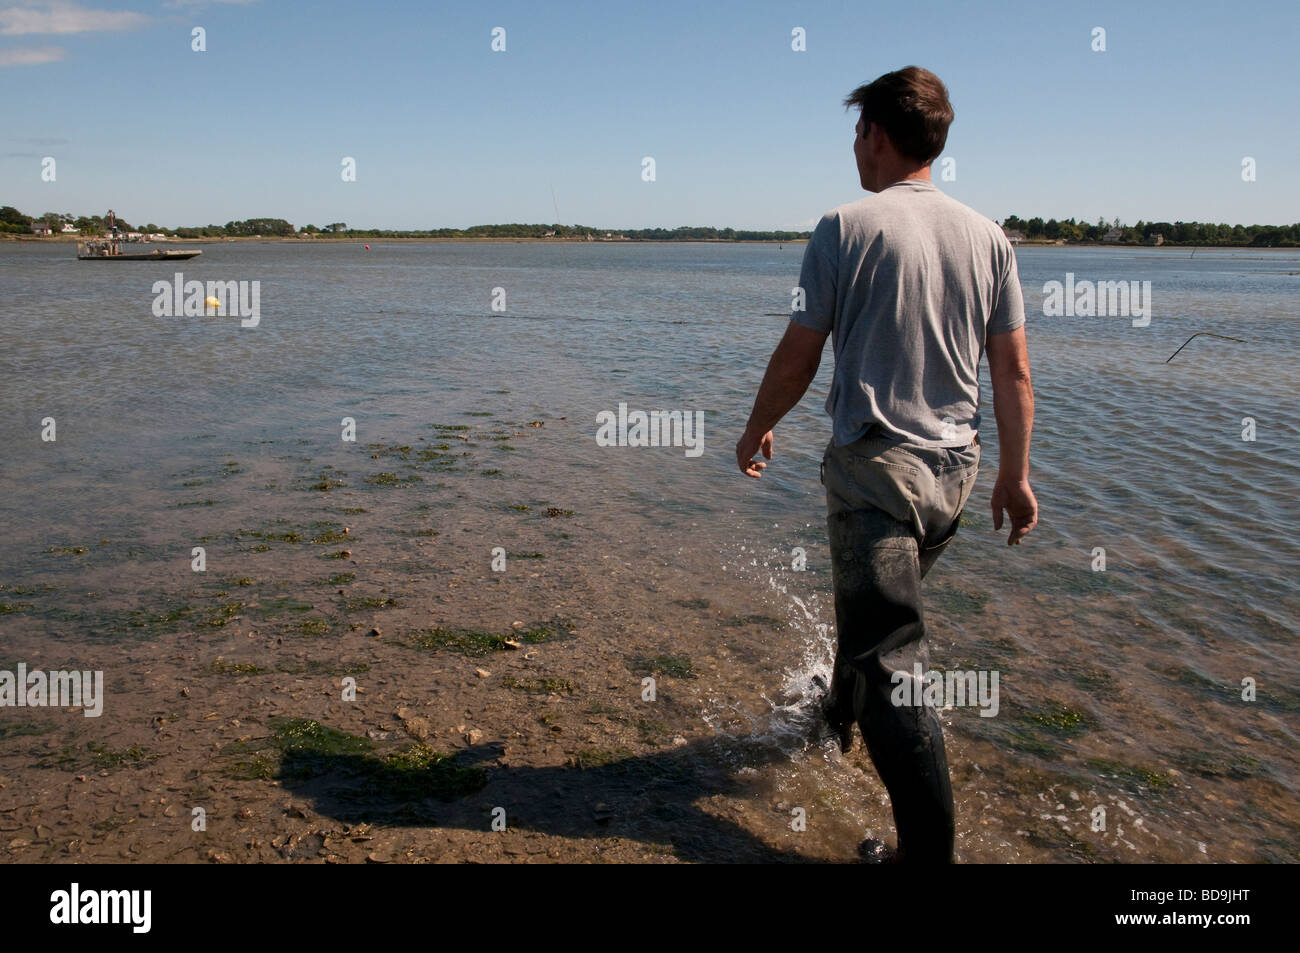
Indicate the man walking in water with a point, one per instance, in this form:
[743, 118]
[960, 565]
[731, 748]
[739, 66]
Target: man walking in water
[913, 287]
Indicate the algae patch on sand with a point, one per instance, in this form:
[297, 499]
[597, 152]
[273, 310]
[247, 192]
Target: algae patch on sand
[674, 666]
[476, 642]
[299, 748]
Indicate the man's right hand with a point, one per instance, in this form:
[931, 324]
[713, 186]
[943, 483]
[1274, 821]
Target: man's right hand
[1018, 500]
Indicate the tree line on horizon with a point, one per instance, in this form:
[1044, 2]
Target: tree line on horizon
[1034, 229]
[1144, 233]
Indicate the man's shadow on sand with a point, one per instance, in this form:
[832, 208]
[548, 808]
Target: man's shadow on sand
[648, 798]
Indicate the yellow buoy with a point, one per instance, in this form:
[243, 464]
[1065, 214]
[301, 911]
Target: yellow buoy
[212, 301]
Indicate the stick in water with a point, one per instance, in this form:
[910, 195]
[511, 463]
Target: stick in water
[1198, 334]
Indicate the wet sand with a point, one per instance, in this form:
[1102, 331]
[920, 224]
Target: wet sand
[516, 696]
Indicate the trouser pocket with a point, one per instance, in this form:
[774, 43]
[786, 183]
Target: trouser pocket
[952, 492]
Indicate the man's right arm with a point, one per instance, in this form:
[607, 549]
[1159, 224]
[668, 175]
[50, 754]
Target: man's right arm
[1013, 406]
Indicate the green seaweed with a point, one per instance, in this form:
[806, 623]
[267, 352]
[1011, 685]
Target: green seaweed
[285, 537]
[97, 756]
[23, 729]
[1237, 767]
[369, 602]
[157, 622]
[392, 479]
[29, 590]
[316, 667]
[476, 643]
[540, 686]
[652, 732]
[1061, 720]
[324, 484]
[331, 536]
[299, 748]
[311, 741]
[220, 666]
[419, 771]
[1028, 742]
[1094, 680]
[589, 758]
[378, 450]
[222, 614]
[1131, 776]
[674, 666]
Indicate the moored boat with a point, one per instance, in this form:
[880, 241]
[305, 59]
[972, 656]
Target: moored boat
[95, 251]
[109, 248]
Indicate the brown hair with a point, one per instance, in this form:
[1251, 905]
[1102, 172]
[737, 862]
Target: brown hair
[911, 106]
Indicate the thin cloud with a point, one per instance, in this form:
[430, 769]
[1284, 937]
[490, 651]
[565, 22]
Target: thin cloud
[32, 55]
[61, 17]
[40, 142]
[194, 4]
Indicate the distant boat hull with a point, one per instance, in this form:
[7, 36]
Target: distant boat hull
[157, 254]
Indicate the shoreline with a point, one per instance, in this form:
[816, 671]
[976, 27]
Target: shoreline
[71, 239]
[67, 239]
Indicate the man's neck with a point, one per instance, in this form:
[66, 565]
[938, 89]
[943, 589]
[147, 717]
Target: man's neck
[904, 174]
[914, 175]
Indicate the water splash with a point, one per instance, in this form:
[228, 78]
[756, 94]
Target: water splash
[793, 718]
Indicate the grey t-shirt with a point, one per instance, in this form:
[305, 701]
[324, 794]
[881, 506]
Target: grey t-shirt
[909, 282]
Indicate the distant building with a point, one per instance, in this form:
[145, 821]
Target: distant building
[70, 229]
[1113, 235]
[40, 228]
[1014, 235]
[1156, 239]
[550, 234]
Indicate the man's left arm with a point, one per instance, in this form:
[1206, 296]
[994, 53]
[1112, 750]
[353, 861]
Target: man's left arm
[792, 368]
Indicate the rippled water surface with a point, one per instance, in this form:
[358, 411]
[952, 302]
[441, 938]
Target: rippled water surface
[1120, 688]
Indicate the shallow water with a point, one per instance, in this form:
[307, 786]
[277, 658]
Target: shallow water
[1119, 688]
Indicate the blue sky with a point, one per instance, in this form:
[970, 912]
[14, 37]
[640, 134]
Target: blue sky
[745, 132]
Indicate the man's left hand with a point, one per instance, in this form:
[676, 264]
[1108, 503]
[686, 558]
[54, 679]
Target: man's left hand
[747, 447]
